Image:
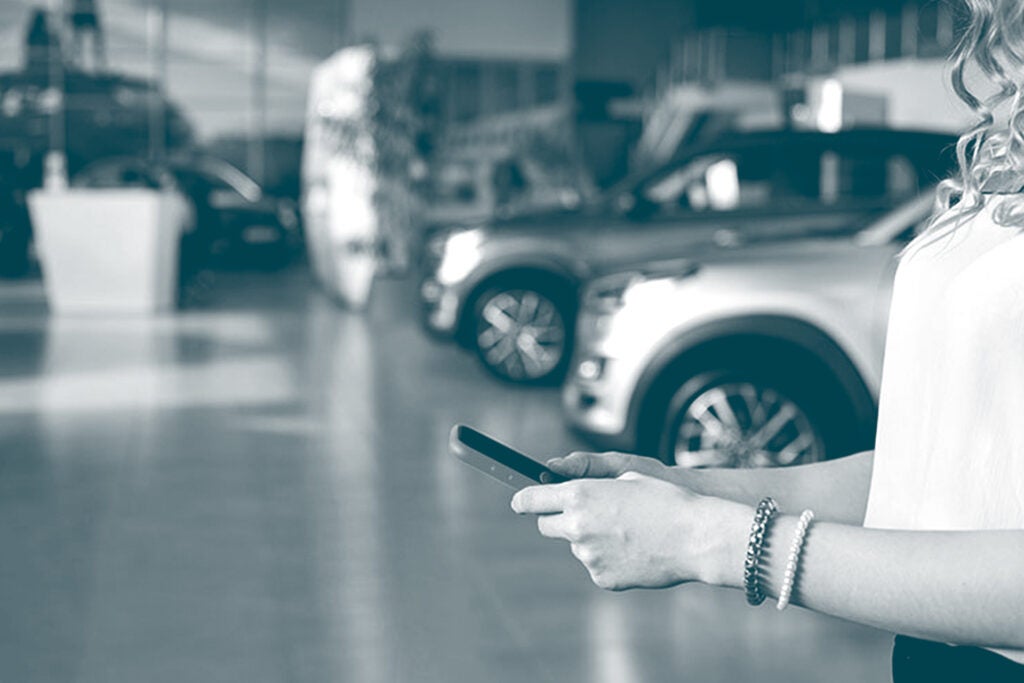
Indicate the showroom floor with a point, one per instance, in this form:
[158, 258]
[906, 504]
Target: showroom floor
[259, 490]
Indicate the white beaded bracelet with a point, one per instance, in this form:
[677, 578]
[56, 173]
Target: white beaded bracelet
[786, 592]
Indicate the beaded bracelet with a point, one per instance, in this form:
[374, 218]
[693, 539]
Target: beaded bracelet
[766, 509]
[789, 579]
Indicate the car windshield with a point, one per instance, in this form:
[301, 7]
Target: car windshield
[778, 173]
[224, 176]
[907, 218]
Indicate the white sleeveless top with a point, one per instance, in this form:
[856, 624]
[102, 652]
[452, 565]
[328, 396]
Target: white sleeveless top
[949, 452]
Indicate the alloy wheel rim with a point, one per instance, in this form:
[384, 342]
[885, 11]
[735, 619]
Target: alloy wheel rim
[521, 334]
[741, 424]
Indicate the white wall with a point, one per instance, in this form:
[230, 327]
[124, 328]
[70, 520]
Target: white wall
[537, 29]
[917, 91]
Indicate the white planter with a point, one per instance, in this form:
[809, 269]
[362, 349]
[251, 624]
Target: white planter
[108, 250]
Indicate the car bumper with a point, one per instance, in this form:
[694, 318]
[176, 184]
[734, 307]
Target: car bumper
[598, 404]
[592, 430]
[440, 308]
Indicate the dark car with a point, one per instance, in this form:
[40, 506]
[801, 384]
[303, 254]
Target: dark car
[104, 115]
[509, 289]
[237, 224]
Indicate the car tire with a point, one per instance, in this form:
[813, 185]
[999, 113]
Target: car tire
[523, 334]
[745, 417]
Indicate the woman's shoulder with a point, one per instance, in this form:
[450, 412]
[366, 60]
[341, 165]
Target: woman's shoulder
[997, 217]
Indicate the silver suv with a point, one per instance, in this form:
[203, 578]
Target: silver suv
[509, 290]
[759, 356]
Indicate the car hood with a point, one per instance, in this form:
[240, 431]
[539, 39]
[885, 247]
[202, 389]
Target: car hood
[548, 222]
[765, 252]
[597, 240]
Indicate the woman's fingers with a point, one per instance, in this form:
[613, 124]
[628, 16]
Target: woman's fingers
[553, 526]
[541, 500]
[592, 465]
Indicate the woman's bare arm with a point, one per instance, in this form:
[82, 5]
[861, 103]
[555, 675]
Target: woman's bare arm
[636, 531]
[837, 490]
[959, 587]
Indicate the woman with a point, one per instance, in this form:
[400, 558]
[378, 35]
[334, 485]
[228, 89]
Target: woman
[923, 536]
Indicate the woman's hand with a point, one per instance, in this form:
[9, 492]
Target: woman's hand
[580, 465]
[637, 531]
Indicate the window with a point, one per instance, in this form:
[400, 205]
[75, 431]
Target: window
[465, 92]
[506, 88]
[545, 85]
[893, 36]
[792, 175]
[901, 178]
[753, 179]
[863, 176]
[861, 39]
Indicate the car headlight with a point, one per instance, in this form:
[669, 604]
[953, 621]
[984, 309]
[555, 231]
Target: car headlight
[648, 288]
[605, 294]
[461, 256]
[287, 214]
[591, 369]
[609, 293]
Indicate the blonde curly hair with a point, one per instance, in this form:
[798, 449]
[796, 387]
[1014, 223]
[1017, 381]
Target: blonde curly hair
[991, 152]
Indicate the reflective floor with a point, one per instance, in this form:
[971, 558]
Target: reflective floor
[258, 490]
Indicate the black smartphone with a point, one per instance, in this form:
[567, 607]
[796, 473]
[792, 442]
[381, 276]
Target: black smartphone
[497, 460]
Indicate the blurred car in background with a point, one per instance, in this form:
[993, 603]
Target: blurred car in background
[468, 191]
[509, 289]
[759, 356]
[105, 115]
[237, 224]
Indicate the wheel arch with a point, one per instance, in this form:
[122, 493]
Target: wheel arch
[764, 338]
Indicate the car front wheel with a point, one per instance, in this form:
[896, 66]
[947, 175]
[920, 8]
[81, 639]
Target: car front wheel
[736, 419]
[522, 335]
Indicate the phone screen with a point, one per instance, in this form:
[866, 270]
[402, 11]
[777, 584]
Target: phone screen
[497, 460]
